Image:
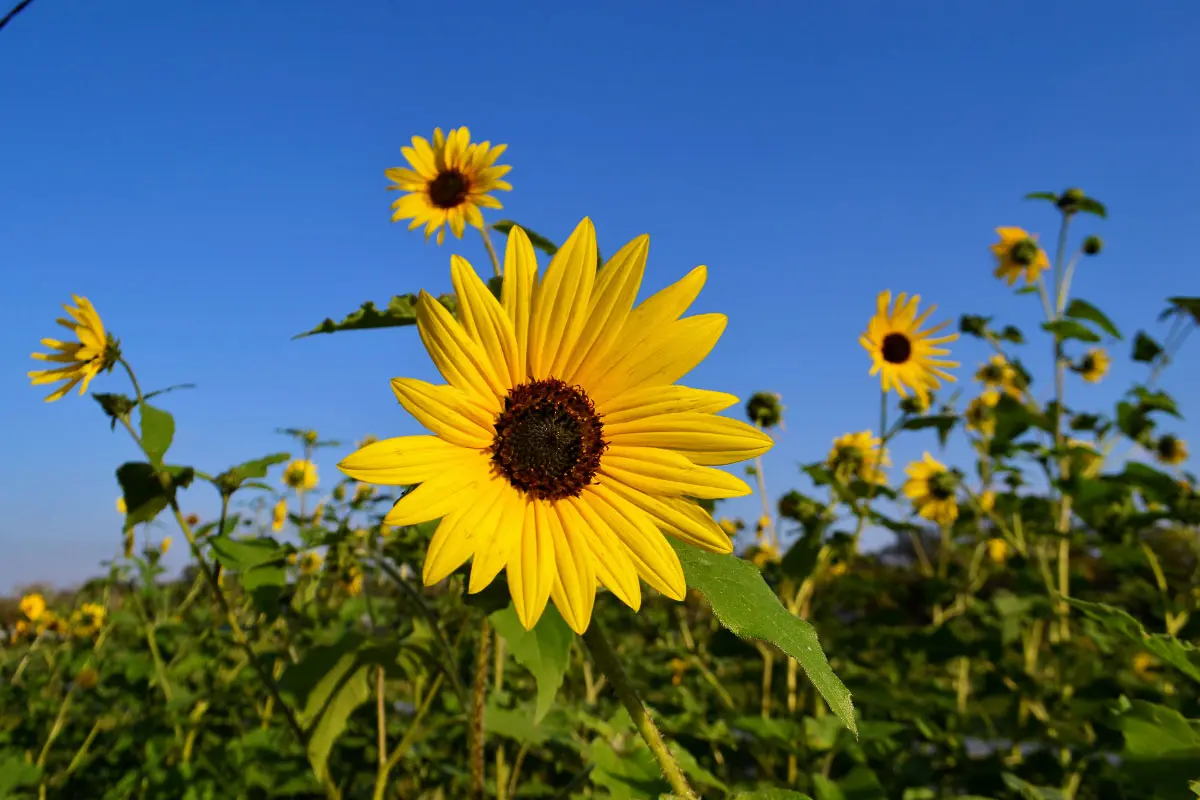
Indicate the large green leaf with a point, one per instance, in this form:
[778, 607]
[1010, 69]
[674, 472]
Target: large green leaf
[234, 478]
[545, 651]
[16, 773]
[1081, 309]
[158, 431]
[1162, 748]
[1181, 655]
[630, 774]
[144, 492]
[745, 605]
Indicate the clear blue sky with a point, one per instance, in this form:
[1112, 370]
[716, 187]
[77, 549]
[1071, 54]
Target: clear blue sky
[210, 175]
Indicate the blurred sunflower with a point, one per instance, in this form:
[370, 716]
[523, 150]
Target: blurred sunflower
[279, 515]
[980, 416]
[903, 355]
[88, 619]
[998, 374]
[33, 606]
[1094, 365]
[858, 455]
[308, 562]
[563, 450]
[1170, 449]
[1017, 253]
[931, 488]
[448, 183]
[121, 509]
[83, 359]
[300, 474]
[997, 550]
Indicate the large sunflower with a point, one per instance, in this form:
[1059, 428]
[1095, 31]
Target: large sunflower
[82, 359]
[448, 183]
[563, 451]
[904, 356]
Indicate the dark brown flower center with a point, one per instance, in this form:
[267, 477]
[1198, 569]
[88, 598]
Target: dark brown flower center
[1168, 448]
[449, 189]
[1024, 252]
[548, 439]
[897, 348]
[942, 486]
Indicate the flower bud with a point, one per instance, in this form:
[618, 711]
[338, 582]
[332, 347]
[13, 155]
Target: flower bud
[1092, 245]
[1069, 202]
[764, 409]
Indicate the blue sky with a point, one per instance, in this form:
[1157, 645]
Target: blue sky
[210, 175]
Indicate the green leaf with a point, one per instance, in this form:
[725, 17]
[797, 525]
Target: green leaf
[631, 774]
[1162, 748]
[1091, 206]
[1179, 654]
[235, 478]
[143, 491]
[1051, 196]
[1081, 309]
[1156, 401]
[514, 723]
[692, 768]
[1011, 333]
[246, 554]
[545, 651]
[1155, 484]
[771, 794]
[540, 242]
[744, 604]
[15, 773]
[158, 431]
[943, 422]
[974, 325]
[1030, 792]
[1070, 329]
[1183, 305]
[1145, 349]
[401, 310]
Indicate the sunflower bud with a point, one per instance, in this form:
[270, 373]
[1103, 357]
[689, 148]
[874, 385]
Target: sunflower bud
[310, 438]
[794, 505]
[1069, 202]
[1092, 245]
[339, 492]
[764, 409]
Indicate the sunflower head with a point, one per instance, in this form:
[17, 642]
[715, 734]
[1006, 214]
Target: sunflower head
[902, 354]
[997, 550]
[1017, 253]
[562, 449]
[33, 606]
[1170, 449]
[932, 489]
[450, 180]
[87, 678]
[980, 415]
[309, 563]
[1094, 365]
[300, 474]
[1001, 375]
[89, 352]
[858, 455]
[279, 515]
[88, 619]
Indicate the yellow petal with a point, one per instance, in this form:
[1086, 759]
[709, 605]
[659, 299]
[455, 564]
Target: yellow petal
[654, 559]
[436, 498]
[648, 401]
[610, 557]
[500, 532]
[516, 295]
[612, 299]
[486, 323]
[667, 474]
[462, 362]
[664, 358]
[677, 522]
[448, 550]
[446, 411]
[574, 588]
[703, 438]
[531, 568]
[404, 460]
[560, 302]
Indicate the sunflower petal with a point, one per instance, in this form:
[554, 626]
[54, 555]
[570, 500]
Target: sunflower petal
[446, 411]
[485, 322]
[648, 401]
[520, 278]
[663, 473]
[531, 568]
[448, 550]
[675, 521]
[654, 559]
[610, 557]
[461, 361]
[704, 439]
[665, 358]
[499, 538]
[404, 460]
[435, 498]
[560, 302]
[574, 587]
[616, 288]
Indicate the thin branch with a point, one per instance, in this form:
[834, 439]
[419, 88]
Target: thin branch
[17, 9]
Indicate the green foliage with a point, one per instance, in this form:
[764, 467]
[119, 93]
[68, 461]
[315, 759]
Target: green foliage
[544, 651]
[400, 311]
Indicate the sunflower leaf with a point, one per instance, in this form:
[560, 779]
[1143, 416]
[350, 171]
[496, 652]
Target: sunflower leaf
[401, 310]
[1145, 349]
[1184, 656]
[158, 431]
[1081, 309]
[744, 604]
[545, 651]
[1071, 329]
[143, 491]
[536, 239]
[1182, 305]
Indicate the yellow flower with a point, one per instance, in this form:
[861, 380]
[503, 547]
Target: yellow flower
[448, 183]
[903, 355]
[1094, 365]
[1171, 450]
[88, 619]
[729, 526]
[363, 492]
[1144, 665]
[678, 668]
[300, 474]
[318, 511]
[839, 569]
[279, 515]
[997, 550]
[83, 359]
[979, 415]
[931, 488]
[1017, 253]
[764, 524]
[51, 623]
[354, 586]
[121, 509]
[987, 500]
[858, 455]
[33, 606]
[165, 547]
[310, 562]
[999, 375]
[563, 450]
[764, 553]
[21, 629]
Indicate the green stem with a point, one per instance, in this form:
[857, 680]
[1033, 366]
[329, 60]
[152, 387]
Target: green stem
[606, 660]
[478, 698]
[487, 242]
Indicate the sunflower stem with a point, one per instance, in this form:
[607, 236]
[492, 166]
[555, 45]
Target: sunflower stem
[606, 659]
[478, 698]
[487, 242]
[762, 493]
[1063, 523]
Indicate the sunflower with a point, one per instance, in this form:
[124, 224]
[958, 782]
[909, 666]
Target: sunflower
[1000, 375]
[563, 451]
[81, 360]
[997, 550]
[308, 563]
[1094, 365]
[931, 487]
[279, 516]
[448, 183]
[858, 455]
[1018, 253]
[88, 619]
[33, 606]
[902, 353]
[300, 474]
[980, 415]
[1171, 450]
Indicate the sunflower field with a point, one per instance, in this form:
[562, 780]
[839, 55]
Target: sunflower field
[543, 598]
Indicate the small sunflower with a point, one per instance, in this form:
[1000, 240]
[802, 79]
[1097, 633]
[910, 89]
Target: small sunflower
[448, 183]
[279, 515]
[563, 450]
[987, 500]
[931, 488]
[980, 415]
[88, 619]
[997, 550]
[165, 546]
[1144, 666]
[83, 359]
[763, 553]
[904, 355]
[1000, 375]
[1094, 365]
[858, 455]
[301, 475]
[33, 606]
[1171, 450]
[308, 563]
[1017, 253]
